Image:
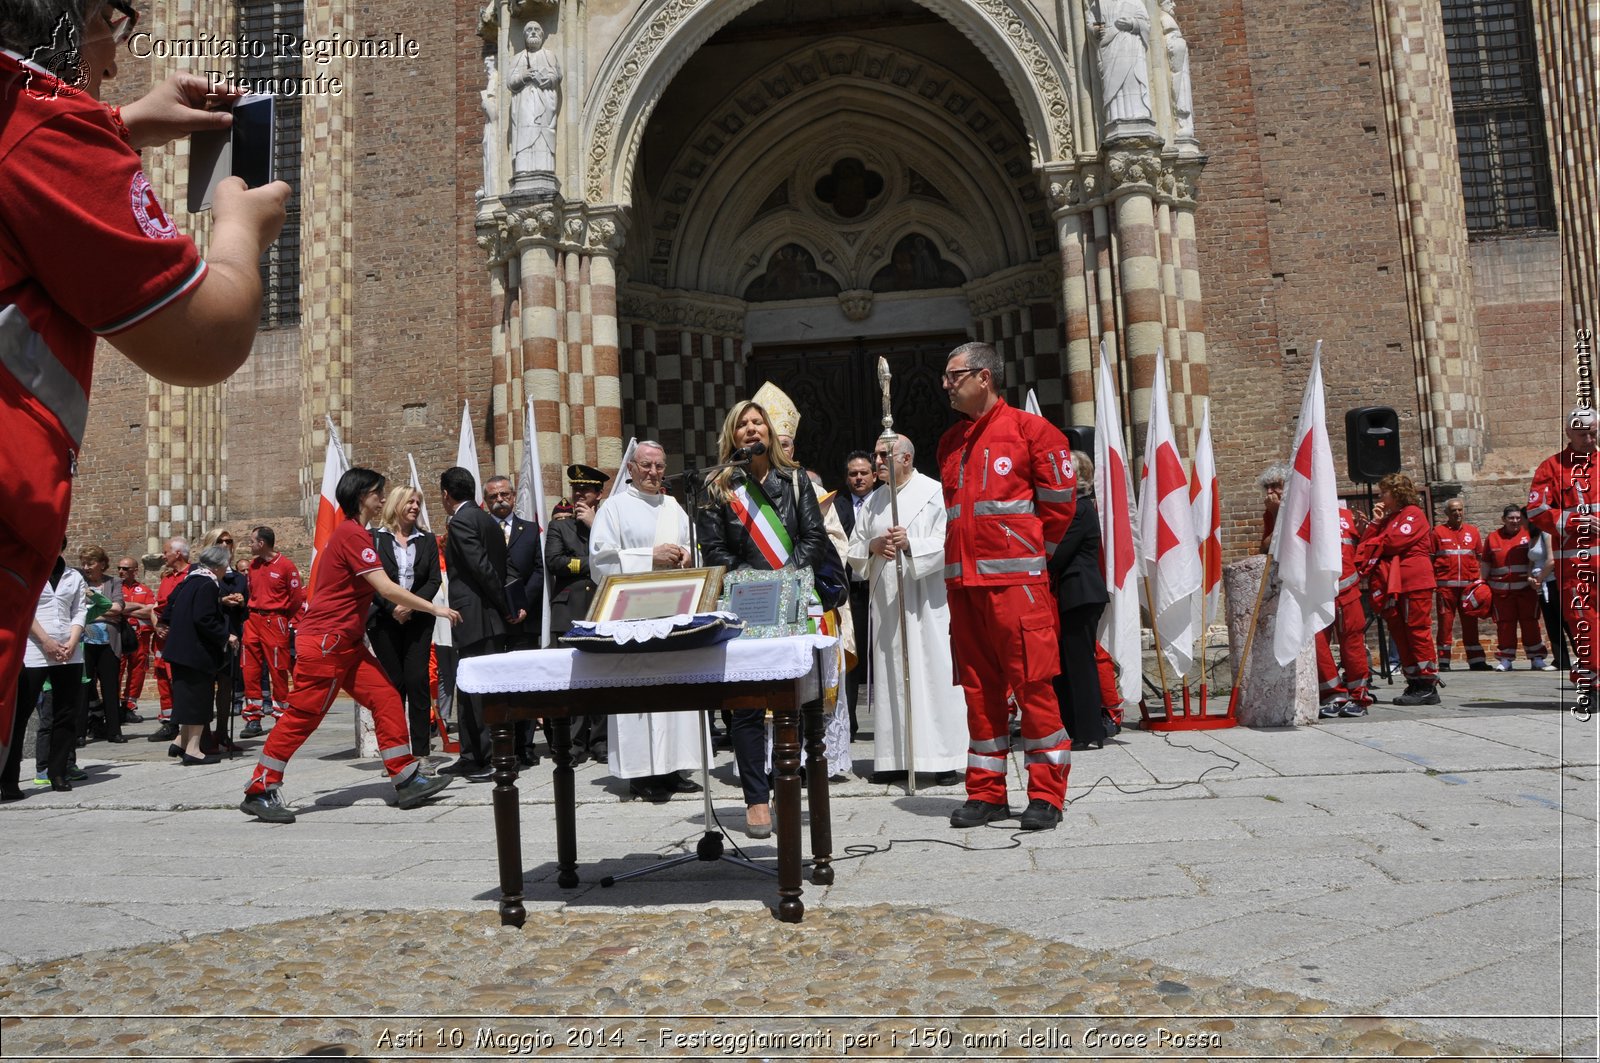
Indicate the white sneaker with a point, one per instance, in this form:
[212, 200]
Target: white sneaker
[1539, 664]
[1502, 666]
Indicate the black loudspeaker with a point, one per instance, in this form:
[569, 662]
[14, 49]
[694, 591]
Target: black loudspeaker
[1372, 443]
[1081, 437]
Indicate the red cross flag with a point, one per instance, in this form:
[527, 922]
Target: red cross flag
[1305, 540]
[1205, 504]
[1168, 553]
[1113, 487]
[334, 465]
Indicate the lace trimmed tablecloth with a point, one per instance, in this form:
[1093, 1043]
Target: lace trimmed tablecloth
[741, 660]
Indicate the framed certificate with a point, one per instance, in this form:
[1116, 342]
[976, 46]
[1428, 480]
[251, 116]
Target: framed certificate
[651, 595]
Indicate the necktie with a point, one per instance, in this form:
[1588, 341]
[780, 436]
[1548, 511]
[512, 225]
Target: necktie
[506, 527]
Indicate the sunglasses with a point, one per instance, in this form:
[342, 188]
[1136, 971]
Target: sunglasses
[125, 568]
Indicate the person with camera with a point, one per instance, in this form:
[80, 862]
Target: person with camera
[73, 192]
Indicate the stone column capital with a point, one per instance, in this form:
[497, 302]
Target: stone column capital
[1133, 166]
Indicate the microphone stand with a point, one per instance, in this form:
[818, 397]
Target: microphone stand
[710, 848]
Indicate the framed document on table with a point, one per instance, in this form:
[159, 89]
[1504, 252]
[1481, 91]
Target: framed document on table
[651, 595]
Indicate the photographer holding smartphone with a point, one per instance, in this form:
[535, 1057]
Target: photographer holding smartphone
[86, 251]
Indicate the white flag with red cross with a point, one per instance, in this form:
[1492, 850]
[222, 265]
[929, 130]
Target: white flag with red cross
[334, 465]
[1168, 553]
[530, 506]
[1205, 504]
[1305, 540]
[1113, 488]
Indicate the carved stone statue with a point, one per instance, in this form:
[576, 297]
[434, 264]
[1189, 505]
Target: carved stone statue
[534, 80]
[488, 99]
[1124, 35]
[1178, 63]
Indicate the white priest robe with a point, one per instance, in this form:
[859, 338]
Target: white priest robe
[627, 527]
[938, 708]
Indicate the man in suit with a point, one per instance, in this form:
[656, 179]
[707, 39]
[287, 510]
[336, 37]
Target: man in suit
[566, 558]
[860, 482]
[475, 555]
[524, 561]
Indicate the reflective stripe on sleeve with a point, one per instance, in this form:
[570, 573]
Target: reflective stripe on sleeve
[28, 358]
[952, 571]
[1010, 507]
[1052, 494]
[952, 513]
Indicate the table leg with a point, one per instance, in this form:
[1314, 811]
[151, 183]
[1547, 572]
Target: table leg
[814, 718]
[507, 826]
[786, 764]
[566, 795]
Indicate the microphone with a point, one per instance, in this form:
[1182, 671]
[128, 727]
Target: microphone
[754, 450]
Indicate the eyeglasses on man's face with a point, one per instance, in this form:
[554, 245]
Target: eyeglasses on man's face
[125, 568]
[650, 466]
[953, 376]
[122, 23]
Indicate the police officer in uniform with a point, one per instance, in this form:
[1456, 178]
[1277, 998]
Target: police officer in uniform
[566, 559]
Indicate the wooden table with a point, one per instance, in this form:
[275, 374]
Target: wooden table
[488, 677]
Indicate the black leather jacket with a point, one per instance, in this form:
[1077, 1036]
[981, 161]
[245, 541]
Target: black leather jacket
[724, 541]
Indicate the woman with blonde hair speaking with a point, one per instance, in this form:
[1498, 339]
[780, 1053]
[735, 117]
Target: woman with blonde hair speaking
[764, 516]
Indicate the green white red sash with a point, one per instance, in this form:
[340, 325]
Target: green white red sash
[754, 510]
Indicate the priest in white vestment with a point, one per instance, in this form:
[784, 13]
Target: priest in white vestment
[640, 529]
[938, 707]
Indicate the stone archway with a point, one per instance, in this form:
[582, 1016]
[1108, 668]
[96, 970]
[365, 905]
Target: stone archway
[663, 36]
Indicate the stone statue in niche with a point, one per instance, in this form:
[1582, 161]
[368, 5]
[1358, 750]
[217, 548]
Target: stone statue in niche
[1123, 30]
[915, 265]
[1178, 63]
[792, 273]
[488, 99]
[534, 80]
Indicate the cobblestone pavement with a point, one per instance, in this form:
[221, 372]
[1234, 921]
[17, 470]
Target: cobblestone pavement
[1418, 883]
[874, 981]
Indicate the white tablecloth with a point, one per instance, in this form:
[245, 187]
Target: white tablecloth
[739, 660]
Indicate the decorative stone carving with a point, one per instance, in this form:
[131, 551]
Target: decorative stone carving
[1138, 165]
[1178, 64]
[1122, 28]
[534, 79]
[856, 303]
[1044, 79]
[1014, 289]
[488, 99]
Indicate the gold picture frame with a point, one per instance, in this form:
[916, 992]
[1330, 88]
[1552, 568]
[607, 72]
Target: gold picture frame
[652, 595]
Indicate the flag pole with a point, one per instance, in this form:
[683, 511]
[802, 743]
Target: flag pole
[1250, 636]
[892, 437]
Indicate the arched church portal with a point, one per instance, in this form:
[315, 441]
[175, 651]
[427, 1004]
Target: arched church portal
[806, 201]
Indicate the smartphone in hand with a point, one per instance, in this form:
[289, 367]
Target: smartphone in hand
[246, 149]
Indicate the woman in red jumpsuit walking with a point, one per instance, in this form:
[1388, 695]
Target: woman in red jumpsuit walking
[333, 656]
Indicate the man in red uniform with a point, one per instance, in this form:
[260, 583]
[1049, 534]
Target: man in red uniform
[139, 607]
[1456, 545]
[1350, 695]
[87, 251]
[1565, 501]
[275, 600]
[334, 656]
[1009, 490]
[1515, 591]
[1395, 553]
[176, 556]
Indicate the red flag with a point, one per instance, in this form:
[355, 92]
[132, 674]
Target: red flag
[334, 465]
[1168, 553]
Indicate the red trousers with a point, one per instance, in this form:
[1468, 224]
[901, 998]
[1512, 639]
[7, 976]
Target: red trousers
[163, 682]
[1514, 609]
[266, 643]
[1407, 617]
[324, 668]
[1349, 627]
[25, 565]
[1110, 695]
[1004, 641]
[1580, 608]
[1449, 604]
[135, 665]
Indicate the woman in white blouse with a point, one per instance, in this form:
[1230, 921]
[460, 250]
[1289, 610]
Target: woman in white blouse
[401, 638]
[54, 653]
